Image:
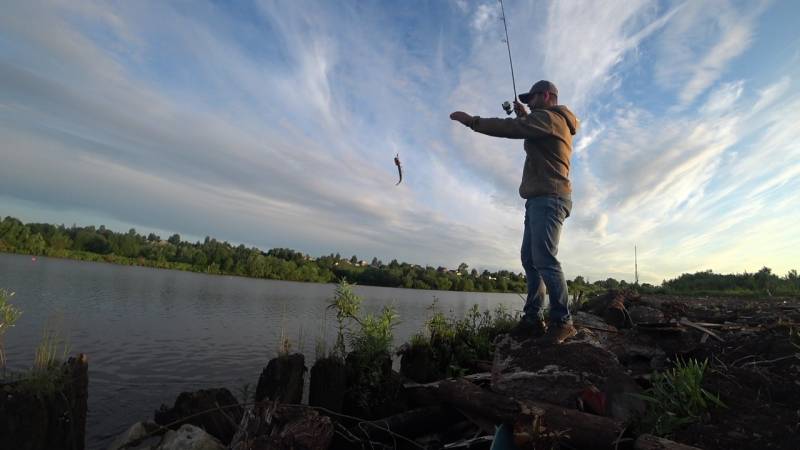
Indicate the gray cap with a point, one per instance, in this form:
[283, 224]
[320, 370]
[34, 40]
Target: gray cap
[539, 86]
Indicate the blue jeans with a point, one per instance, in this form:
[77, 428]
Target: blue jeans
[544, 216]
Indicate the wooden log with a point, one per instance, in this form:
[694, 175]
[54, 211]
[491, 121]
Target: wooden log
[531, 418]
[579, 429]
[479, 402]
[650, 442]
[413, 423]
[282, 379]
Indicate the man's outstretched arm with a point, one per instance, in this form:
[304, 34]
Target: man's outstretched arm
[525, 126]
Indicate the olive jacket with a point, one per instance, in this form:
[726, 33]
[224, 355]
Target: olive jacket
[548, 135]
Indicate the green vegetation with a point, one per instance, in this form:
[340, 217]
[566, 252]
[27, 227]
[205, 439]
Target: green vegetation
[8, 316]
[215, 257]
[371, 385]
[677, 398]
[456, 345]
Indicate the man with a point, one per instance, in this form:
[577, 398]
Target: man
[547, 131]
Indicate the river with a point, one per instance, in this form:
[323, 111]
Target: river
[150, 333]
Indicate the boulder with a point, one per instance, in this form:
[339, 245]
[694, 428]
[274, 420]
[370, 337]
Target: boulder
[189, 437]
[214, 410]
[540, 371]
[141, 432]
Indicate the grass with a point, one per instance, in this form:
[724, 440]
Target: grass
[676, 398]
[8, 317]
[457, 343]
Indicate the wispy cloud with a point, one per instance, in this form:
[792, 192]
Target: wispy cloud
[275, 124]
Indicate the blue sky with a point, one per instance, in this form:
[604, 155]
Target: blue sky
[274, 124]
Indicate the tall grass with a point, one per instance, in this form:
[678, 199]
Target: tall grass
[677, 398]
[8, 317]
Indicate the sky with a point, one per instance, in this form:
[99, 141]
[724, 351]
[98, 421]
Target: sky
[275, 124]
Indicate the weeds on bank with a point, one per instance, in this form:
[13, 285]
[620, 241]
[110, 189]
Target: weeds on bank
[8, 317]
[367, 334]
[457, 343]
[676, 398]
[369, 338]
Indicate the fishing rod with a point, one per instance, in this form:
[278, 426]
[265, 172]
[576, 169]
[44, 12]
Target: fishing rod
[506, 105]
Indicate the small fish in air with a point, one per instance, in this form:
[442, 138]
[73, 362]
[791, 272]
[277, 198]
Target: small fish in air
[399, 168]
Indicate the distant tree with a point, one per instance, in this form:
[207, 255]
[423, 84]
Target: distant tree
[175, 239]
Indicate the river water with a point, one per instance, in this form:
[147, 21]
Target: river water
[150, 334]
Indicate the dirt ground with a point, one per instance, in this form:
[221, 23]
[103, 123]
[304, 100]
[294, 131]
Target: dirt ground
[755, 370]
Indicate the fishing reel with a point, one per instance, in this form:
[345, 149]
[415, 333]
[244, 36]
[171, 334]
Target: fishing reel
[507, 107]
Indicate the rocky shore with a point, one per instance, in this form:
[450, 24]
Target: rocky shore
[600, 389]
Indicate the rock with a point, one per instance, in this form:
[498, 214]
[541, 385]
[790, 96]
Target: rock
[282, 379]
[646, 314]
[189, 437]
[220, 423]
[139, 430]
[622, 400]
[540, 371]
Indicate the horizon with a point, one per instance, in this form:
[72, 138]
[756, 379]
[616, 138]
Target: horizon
[275, 125]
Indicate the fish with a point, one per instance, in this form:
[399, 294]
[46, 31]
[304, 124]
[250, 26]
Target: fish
[399, 168]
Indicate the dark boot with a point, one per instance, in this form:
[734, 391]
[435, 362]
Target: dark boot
[527, 329]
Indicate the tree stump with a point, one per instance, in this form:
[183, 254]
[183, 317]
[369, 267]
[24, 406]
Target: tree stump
[46, 411]
[328, 384]
[282, 379]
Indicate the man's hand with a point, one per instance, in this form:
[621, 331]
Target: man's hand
[462, 117]
[519, 109]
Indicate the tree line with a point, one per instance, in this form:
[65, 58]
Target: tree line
[215, 257]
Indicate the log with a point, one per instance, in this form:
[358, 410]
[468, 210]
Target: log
[650, 442]
[479, 402]
[413, 423]
[536, 419]
[580, 430]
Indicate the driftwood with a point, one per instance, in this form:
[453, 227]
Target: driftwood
[412, 423]
[532, 418]
[650, 442]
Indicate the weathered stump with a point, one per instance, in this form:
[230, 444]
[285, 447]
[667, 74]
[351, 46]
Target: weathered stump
[282, 379]
[214, 410]
[46, 411]
[328, 384]
[417, 363]
[373, 389]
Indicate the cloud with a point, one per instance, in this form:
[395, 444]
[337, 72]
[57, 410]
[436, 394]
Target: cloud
[275, 124]
[702, 40]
